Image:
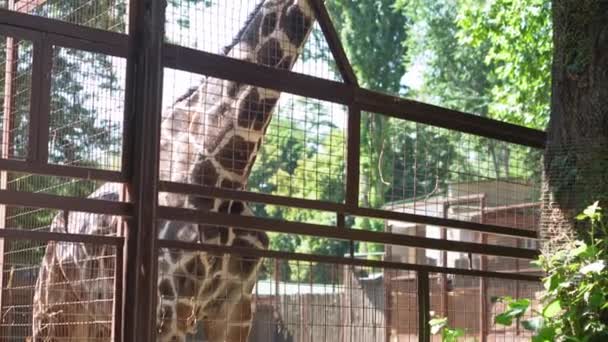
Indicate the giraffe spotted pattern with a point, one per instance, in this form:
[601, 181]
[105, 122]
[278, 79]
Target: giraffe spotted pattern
[210, 137]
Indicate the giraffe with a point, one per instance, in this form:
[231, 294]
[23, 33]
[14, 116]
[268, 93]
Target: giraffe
[210, 136]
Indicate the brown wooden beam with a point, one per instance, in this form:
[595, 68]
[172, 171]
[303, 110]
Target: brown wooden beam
[264, 224]
[264, 253]
[333, 41]
[214, 65]
[342, 208]
[112, 41]
[61, 171]
[87, 205]
[143, 107]
[447, 118]
[41, 236]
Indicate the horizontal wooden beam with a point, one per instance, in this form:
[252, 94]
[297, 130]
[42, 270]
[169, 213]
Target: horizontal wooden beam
[34, 235]
[214, 65]
[447, 118]
[251, 252]
[77, 36]
[264, 224]
[61, 171]
[87, 205]
[341, 208]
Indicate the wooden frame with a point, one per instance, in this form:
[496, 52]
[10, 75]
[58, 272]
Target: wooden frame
[147, 54]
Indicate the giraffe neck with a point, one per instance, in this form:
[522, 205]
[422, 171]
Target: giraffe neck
[225, 120]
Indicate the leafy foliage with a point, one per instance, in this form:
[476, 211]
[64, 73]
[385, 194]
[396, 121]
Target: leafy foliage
[575, 302]
[440, 325]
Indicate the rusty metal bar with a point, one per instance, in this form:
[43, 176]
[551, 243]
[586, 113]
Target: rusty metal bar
[333, 41]
[35, 235]
[264, 224]
[263, 253]
[342, 208]
[89, 205]
[143, 108]
[61, 170]
[424, 306]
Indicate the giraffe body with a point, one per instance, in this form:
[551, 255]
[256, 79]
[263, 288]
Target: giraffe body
[210, 137]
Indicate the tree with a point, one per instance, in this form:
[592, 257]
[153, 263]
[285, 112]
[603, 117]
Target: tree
[576, 156]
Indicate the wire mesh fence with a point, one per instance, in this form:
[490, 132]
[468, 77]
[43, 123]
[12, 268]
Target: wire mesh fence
[224, 134]
[111, 15]
[282, 34]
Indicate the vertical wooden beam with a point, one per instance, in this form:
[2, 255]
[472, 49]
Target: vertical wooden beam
[444, 263]
[483, 286]
[143, 110]
[353, 155]
[424, 306]
[7, 124]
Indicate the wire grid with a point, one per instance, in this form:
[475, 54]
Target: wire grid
[302, 152]
[402, 296]
[460, 303]
[87, 106]
[111, 15]
[426, 170]
[515, 289]
[15, 83]
[81, 293]
[348, 304]
[224, 27]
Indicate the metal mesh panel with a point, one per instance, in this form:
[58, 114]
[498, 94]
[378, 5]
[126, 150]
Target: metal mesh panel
[461, 302]
[345, 304]
[425, 170]
[242, 29]
[87, 105]
[101, 14]
[514, 289]
[302, 152]
[15, 82]
[82, 292]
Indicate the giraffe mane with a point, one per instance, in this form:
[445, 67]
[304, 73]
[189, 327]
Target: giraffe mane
[225, 50]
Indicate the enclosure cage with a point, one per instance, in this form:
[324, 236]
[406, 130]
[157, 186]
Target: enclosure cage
[212, 170]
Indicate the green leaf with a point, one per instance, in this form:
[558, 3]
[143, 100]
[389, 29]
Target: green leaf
[504, 319]
[437, 324]
[595, 299]
[552, 309]
[595, 267]
[534, 323]
[546, 334]
[552, 281]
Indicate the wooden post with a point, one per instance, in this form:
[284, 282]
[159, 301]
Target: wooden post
[143, 109]
[424, 306]
[7, 125]
[483, 286]
[444, 263]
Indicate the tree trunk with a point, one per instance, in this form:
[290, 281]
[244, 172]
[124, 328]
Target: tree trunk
[576, 157]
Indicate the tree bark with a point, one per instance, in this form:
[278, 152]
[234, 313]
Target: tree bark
[576, 157]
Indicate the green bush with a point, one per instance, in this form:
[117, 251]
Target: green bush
[574, 305]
